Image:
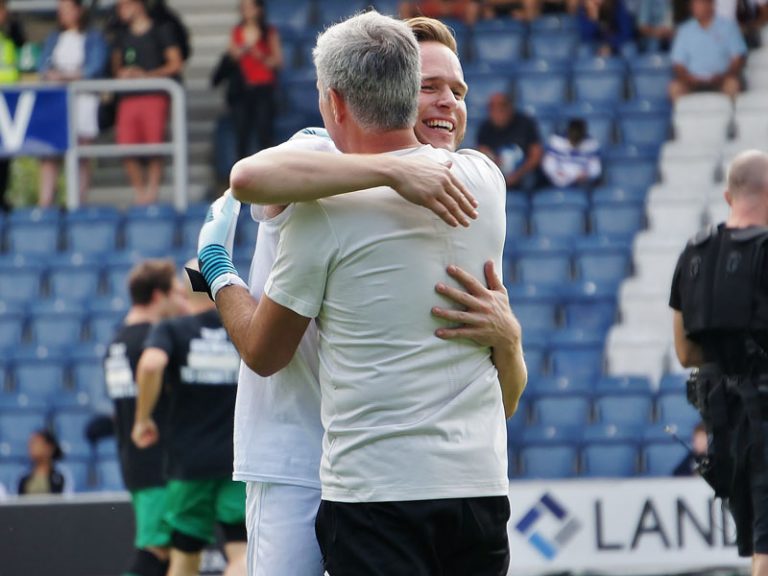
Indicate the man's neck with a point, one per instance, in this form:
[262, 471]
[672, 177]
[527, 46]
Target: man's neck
[360, 142]
[141, 315]
[748, 215]
[706, 22]
[141, 24]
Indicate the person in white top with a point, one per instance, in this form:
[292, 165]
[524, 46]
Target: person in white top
[442, 385]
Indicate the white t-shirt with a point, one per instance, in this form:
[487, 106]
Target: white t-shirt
[69, 57]
[278, 433]
[407, 416]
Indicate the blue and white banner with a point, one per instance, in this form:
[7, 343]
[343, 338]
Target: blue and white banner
[642, 526]
[33, 121]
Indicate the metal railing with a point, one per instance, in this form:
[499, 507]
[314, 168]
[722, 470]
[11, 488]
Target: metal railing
[176, 147]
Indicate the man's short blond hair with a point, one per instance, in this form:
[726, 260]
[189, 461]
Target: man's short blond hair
[431, 30]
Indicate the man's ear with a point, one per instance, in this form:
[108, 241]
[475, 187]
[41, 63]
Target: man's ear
[728, 197]
[338, 106]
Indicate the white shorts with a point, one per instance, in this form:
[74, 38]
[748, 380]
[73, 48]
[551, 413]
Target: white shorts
[281, 530]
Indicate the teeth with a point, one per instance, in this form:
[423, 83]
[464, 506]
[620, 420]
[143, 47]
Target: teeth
[440, 124]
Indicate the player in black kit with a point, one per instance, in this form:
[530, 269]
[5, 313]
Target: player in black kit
[156, 293]
[198, 364]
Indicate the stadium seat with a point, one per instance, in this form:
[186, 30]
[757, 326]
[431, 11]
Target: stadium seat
[641, 129]
[702, 119]
[77, 470]
[247, 231]
[291, 15]
[589, 306]
[70, 429]
[483, 86]
[576, 353]
[330, 11]
[661, 458]
[517, 221]
[553, 46]
[631, 409]
[618, 194]
[11, 473]
[601, 260]
[541, 435]
[88, 377]
[150, 235]
[39, 379]
[600, 433]
[91, 231]
[388, 7]
[56, 329]
[674, 408]
[562, 411]
[618, 460]
[554, 386]
[541, 83]
[498, 47]
[535, 353]
[534, 305]
[650, 76]
[38, 238]
[11, 331]
[673, 383]
[301, 96]
[630, 166]
[618, 385]
[548, 462]
[518, 421]
[106, 448]
[599, 80]
[102, 326]
[565, 221]
[15, 429]
[553, 23]
[74, 282]
[543, 260]
[109, 476]
[599, 119]
[117, 280]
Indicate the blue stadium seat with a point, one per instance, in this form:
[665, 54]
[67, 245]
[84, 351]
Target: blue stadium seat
[483, 85]
[70, 429]
[589, 305]
[548, 462]
[565, 221]
[20, 283]
[599, 118]
[190, 231]
[673, 408]
[644, 129]
[630, 166]
[109, 476]
[40, 379]
[74, 282]
[330, 11]
[602, 262]
[150, 235]
[247, 231]
[609, 433]
[674, 383]
[11, 330]
[650, 76]
[117, 280]
[92, 230]
[301, 96]
[77, 470]
[388, 7]
[39, 238]
[535, 353]
[56, 329]
[16, 428]
[617, 219]
[11, 473]
[661, 458]
[617, 385]
[609, 460]
[549, 434]
[543, 260]
[88, 376]
[598, 87]
[618, 194]
[541, 83]
[554, 46]
[289, 14]
[10, 401]
[562, 411]
[576, 353]
[517, 423]
[632, 409]
[534, 305]
[102, 326]
[555, 197]
[498, 47]
[106, 448]
[553, 23]
[553, 386]
[517, 222]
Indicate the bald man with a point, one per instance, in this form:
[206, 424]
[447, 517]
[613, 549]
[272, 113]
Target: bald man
[720, 301]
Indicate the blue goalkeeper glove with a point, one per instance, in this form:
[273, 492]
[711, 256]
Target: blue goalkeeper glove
[215, 245]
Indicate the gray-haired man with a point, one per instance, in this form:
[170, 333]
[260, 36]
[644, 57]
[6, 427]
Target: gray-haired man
[414, 454]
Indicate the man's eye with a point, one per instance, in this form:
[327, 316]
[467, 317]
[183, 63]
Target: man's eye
[458, 95]
[427, 87]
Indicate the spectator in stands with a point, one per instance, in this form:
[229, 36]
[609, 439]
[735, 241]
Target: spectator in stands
[72, 53]
[518, 9]
[511, 139]
[708, 53]
[751, 15]
[144, 49]
[699, 445]
[465, 10]
[11, 39]
[255, 46]
[655, 24]
[573, 159]
[605, 24]
[45, 478]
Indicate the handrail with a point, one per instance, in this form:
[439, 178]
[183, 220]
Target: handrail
[177, 147]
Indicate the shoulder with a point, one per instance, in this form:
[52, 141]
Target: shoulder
[703, 236]
[311, 138]
[479, 165]
[557, 143]
[589, 146]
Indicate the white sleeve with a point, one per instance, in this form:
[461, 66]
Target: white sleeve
[486, 167]
[306, 251]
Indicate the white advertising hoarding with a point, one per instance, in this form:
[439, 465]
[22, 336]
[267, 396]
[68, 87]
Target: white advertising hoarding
[643, 525]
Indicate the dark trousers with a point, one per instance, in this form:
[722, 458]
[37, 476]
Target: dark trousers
[254, 113]
[451, 537]
[5, 169]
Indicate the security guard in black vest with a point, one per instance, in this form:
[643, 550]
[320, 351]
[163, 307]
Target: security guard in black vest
[720, 301]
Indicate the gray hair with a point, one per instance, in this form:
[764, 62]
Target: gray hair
[373, 61]
[748, 173]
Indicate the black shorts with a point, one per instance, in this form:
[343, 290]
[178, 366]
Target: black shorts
[451, 537]
[751, 514]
